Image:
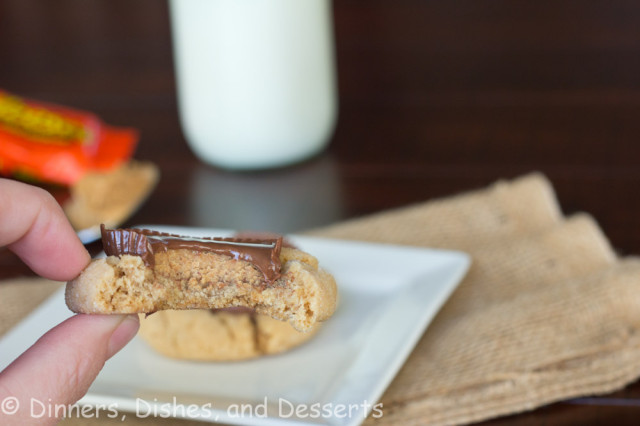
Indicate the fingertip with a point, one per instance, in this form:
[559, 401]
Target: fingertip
[123, 334]
[37, 230]
[63, 363]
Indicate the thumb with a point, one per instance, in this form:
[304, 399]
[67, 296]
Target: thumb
[62, 364]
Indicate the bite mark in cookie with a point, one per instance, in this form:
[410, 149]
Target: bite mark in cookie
[182, 275]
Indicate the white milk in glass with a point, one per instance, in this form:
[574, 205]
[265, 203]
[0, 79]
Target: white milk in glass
[256, 79]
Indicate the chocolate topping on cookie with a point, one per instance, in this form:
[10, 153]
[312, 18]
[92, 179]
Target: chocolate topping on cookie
[264, 254]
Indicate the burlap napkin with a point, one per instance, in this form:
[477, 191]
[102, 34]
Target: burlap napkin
[547, 311]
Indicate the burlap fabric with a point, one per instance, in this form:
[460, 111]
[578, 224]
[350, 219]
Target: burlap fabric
[546, 312]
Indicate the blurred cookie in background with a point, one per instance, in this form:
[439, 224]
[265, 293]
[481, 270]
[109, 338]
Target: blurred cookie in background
[231, 334]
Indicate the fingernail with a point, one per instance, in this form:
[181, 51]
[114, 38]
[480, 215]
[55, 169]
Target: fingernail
[123, 334]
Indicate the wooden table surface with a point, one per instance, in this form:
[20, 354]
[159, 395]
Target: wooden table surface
[436, 97]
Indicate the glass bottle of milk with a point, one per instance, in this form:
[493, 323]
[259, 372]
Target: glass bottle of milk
[256, 79]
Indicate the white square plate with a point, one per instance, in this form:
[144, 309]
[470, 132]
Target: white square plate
[388, 296]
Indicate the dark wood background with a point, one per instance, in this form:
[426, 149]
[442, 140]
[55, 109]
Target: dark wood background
[436, 97]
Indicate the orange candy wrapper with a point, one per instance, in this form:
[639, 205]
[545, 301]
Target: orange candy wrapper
[56, 144]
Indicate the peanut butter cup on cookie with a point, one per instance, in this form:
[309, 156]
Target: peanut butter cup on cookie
[147, 271]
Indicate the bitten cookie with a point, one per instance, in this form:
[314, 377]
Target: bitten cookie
[148, 271]
[221, 335]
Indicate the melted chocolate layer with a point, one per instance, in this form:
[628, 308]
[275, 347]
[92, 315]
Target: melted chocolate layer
[264, 254]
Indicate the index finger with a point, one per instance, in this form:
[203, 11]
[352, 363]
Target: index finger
[33, 226]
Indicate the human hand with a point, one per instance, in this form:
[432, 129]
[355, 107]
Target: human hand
[62, 364]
